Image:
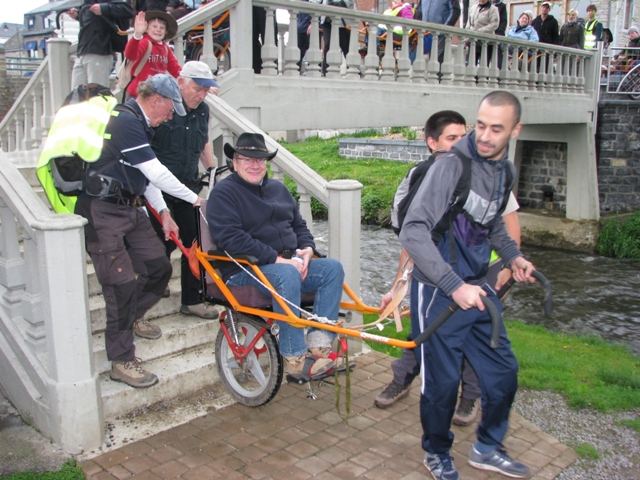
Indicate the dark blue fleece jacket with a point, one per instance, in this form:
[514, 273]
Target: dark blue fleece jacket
[259, 220]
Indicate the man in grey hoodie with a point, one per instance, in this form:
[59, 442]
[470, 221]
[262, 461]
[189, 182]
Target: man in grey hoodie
[452, 268]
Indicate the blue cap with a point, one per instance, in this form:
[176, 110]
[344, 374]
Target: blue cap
[167, 86]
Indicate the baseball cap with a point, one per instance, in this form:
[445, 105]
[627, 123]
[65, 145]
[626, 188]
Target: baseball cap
[632, 28]
[545, 3]
[200, 73]
[167, 86]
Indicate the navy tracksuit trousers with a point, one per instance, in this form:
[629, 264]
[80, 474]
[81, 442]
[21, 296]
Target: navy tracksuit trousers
[441, 359]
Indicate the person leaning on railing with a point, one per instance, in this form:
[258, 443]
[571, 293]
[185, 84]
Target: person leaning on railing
[523, 30]
[572, 32]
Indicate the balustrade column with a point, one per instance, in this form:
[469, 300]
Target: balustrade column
[241, 33]
[446, 68]
[314, 54]
[37, 130]
[208, 55]
[419, 66]
[26, 140]
[353, 58]
[269, 49]
[459, 68]
[433, 66]
[344, 235]
[403, 62]
[471, 70]
[494, 73]
[292, 51]
[12, 269]
[59, 72]
[371, 60]
[31, 301]
[388, 63]
[334, 55]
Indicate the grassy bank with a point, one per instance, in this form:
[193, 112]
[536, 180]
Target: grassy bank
[69, 471]
[620, 237]
[379, 178]
[587, 371]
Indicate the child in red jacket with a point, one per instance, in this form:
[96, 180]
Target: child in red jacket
[159, 27]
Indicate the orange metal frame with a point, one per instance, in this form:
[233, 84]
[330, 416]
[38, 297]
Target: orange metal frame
[355, 304]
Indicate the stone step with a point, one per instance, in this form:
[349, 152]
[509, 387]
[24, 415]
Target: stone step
[166, 306]
[96, 289]
[180, 375]
[180, 333]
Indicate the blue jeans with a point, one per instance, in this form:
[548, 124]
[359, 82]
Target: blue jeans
[325, 277]
[441, 358]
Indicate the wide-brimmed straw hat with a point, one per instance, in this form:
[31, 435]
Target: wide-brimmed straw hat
[172, 25]
[250, 145]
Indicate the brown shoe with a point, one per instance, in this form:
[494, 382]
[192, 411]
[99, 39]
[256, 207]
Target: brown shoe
[145, 329]
[201, 310]
[132, 373]
[466, 412]
[307, 367]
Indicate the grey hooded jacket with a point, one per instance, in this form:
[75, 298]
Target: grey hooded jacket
[489, 185]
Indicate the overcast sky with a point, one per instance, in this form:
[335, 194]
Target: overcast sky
[14, 10]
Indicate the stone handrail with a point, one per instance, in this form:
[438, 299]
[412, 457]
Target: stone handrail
[46, 357]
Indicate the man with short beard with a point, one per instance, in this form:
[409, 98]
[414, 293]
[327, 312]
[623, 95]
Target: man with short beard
[452, 269]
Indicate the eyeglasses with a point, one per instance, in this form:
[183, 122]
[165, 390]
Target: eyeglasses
[259, 161]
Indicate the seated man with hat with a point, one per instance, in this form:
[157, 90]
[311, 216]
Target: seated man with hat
[251, 214]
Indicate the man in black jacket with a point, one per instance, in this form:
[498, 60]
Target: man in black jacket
[99, 19]
[547, 26]
[502, 11]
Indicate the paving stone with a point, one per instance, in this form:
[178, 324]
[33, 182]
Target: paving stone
[313, 465]
[139, 464]
[195, 459]
[164, 454]
[348, 470]
[170, 469]
[202, 472]
[120, 472]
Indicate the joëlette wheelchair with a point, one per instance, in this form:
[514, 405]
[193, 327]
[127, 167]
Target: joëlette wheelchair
[246, 348]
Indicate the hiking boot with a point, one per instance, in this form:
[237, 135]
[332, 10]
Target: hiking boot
[132, 373]
[202, 310]
[145, 329]
[391, 394]
[466, 412]
[498, 461]
[441, 467]
[307, 367]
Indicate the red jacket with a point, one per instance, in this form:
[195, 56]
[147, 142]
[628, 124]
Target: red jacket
[161, 60]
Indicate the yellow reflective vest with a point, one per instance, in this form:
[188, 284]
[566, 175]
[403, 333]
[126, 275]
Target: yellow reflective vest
[78, 129]
[589, 35]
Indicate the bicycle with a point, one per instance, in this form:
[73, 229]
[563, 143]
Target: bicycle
[194, 42]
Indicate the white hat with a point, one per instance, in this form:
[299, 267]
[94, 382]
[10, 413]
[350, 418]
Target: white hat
[200, 73]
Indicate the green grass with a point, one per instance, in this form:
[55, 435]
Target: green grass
[70, 470]
[380, 178]
[632, 424]
[620, 237]
[587, 371]
[587, 451]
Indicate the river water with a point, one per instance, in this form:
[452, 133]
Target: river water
[592, 294]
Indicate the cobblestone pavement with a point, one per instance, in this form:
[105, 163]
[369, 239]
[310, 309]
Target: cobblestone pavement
[294, 437]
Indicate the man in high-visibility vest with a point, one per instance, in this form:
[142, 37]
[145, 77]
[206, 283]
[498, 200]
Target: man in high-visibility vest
[592, 29]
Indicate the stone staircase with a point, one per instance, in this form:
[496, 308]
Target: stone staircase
[183, 358]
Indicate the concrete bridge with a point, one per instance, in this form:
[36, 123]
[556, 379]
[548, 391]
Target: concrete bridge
[50, 309]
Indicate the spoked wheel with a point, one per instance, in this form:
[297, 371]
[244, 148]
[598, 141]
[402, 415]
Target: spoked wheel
[255, 379]
[222, 53]
[631, 83]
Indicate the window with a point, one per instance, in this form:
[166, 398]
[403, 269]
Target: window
[628, 13]
[48, 23]
[31, 22]
[517, 9]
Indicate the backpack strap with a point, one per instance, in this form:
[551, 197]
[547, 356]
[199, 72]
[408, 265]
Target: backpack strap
[138, 69]
[456, 207]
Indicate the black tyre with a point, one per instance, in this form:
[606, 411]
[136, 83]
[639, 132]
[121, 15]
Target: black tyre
[257, 380]
[223, 56]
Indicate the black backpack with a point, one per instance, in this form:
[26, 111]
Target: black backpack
[404, 196]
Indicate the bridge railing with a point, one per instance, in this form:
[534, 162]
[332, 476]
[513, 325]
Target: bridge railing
[621, 72]
[465, 58]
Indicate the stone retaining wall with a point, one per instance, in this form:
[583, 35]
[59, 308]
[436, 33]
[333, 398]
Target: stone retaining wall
[10, 87]
[542, 180]
[618, 144]
[398, 150]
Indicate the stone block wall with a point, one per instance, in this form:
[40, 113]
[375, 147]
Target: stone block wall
[398, 150]
[618, 143]
[10, 87]
[542, 180]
